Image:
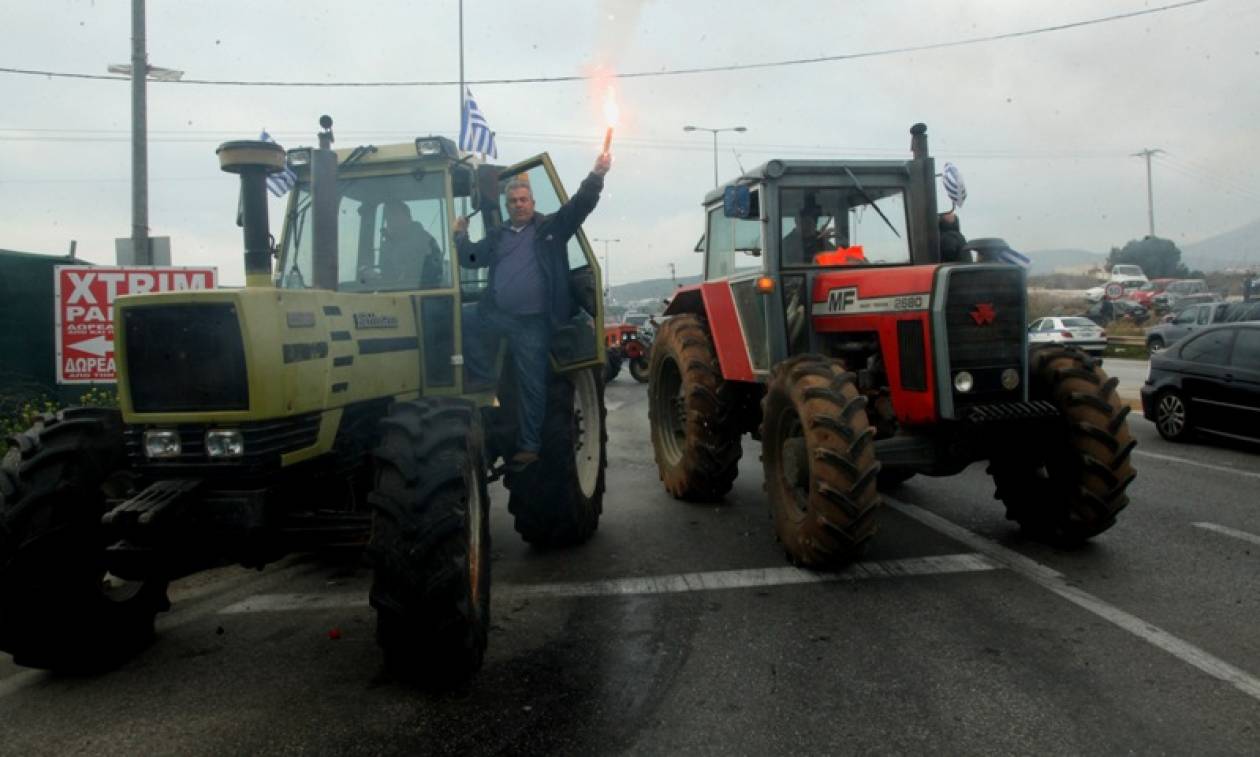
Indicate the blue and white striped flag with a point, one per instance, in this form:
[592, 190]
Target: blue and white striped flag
[1014, 258]
[952, 178]
[474, 132]
[282, 181]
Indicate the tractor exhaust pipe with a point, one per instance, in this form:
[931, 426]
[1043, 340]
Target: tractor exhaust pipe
[253, 161]
[918, 141]
[324, 203]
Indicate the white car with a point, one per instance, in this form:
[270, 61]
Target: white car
[1073, 331]
[1130, 277]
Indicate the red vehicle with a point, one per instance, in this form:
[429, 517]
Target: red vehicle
[625, 342]
[829, 327]
[1146, 294]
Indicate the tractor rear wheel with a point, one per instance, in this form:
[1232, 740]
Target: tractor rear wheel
[59, 608]
[557, 500]
[694, 433]
[818, 451]
[1075, 489]
[430, 543]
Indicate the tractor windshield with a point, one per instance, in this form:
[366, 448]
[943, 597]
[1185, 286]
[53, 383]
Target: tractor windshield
[393, 234]
[837, 226]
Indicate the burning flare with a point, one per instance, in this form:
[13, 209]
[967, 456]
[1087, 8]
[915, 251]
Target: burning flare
[611, 112]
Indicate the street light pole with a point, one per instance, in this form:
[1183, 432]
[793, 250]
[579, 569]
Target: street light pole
[607, 270]
[714, 132]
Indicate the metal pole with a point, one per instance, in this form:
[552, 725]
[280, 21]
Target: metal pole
[1150, 192]
[139, 137]
[461, 66]
[715, 173]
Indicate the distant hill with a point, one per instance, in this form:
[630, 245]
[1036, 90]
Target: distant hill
[1063, 261]
[1239, 248]
[650, 289]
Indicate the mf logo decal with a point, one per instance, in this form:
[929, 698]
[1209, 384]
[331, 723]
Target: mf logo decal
[984, 314]
[845, 301]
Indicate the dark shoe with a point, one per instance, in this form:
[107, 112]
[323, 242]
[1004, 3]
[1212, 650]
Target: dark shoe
[520, 461]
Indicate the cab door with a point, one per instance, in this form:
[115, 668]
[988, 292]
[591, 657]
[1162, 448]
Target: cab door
[579, 343]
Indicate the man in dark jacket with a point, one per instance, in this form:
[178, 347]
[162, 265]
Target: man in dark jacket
[528, 296]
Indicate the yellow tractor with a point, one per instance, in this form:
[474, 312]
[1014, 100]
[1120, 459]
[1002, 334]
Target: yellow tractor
[324, 404]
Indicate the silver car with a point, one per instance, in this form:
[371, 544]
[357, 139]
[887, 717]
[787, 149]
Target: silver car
[1073, 331]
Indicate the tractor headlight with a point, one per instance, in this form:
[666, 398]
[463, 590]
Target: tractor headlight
[964, 381]
[1010, 379]
[161, 443]
[225, 443]
[299, 156]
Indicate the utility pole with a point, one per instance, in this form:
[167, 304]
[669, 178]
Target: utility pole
[1150, 194]
[673, 279]
[139, 140]
[714, 132]
[607, 269]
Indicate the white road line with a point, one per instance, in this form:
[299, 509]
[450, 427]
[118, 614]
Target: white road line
[614, 405]
[1228, 532]
[1209, 466]
[1055, 582]
[667, 584]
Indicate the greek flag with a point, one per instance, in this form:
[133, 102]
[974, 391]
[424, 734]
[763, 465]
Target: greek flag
[474, 132]
[954, 185]
[1008, 255]
[282, 181]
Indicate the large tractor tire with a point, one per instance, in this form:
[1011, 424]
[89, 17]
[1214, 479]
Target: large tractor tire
[641, 369]
[818, 451]
[430, 543]
[695, 436]
[59, 608]
[557, 500]
[1075, 489]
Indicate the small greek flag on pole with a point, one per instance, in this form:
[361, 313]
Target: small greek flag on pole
[952, 178]
[1014, 258]
[474, 133]
[282, 181]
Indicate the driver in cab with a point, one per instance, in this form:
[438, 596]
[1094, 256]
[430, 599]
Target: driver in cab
[409, 254]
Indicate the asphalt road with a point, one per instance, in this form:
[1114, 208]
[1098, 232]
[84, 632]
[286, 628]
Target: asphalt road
[679, 629]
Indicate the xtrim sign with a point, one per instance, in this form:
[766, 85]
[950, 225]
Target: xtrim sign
[845, 301]
[84, 304]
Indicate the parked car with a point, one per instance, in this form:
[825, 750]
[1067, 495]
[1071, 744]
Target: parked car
[1190, 319]
[1182, 291]
[1145, 294]
[1208, 382]
[1129, 287]
[1120, 310]
[1070, 330]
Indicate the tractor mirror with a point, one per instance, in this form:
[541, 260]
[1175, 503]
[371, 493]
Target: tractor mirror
[487, 194]
[737, 202]
[462, 180]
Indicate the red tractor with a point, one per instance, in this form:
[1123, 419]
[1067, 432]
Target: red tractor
[626, 342]
[844, 325]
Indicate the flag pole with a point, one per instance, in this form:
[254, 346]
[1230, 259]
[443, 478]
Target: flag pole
[461, 64]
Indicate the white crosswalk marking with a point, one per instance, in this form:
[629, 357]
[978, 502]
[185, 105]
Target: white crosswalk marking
[1228, 532]
[667, 584]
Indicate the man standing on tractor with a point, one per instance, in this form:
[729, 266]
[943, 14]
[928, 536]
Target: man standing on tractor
[528, 295]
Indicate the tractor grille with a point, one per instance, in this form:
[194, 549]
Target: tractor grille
[984, 316]
[185, 358]
[265, 441]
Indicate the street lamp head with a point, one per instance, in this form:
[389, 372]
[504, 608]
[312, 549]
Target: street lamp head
[689, 128]
[741, 128]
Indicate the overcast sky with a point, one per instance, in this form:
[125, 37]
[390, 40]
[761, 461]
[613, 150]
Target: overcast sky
[1042, 126]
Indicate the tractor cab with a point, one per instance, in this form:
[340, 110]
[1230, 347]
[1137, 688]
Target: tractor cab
[394, 209]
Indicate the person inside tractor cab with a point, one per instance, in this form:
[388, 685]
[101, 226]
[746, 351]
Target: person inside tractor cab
[409, 254]
[528, 296]
[815, 237]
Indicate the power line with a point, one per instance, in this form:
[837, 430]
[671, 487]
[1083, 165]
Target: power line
[640, 74]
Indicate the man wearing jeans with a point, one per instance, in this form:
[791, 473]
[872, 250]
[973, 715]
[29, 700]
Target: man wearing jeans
[528, 296]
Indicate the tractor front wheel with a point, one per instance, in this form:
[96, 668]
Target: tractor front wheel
[59, 607]
[557, 500]
[818, 451]
[430, 543]
[1076, 487]
[694, 433]
[640, 369]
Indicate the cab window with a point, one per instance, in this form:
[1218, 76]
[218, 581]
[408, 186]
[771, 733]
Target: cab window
[734, 245]
[843, 226]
